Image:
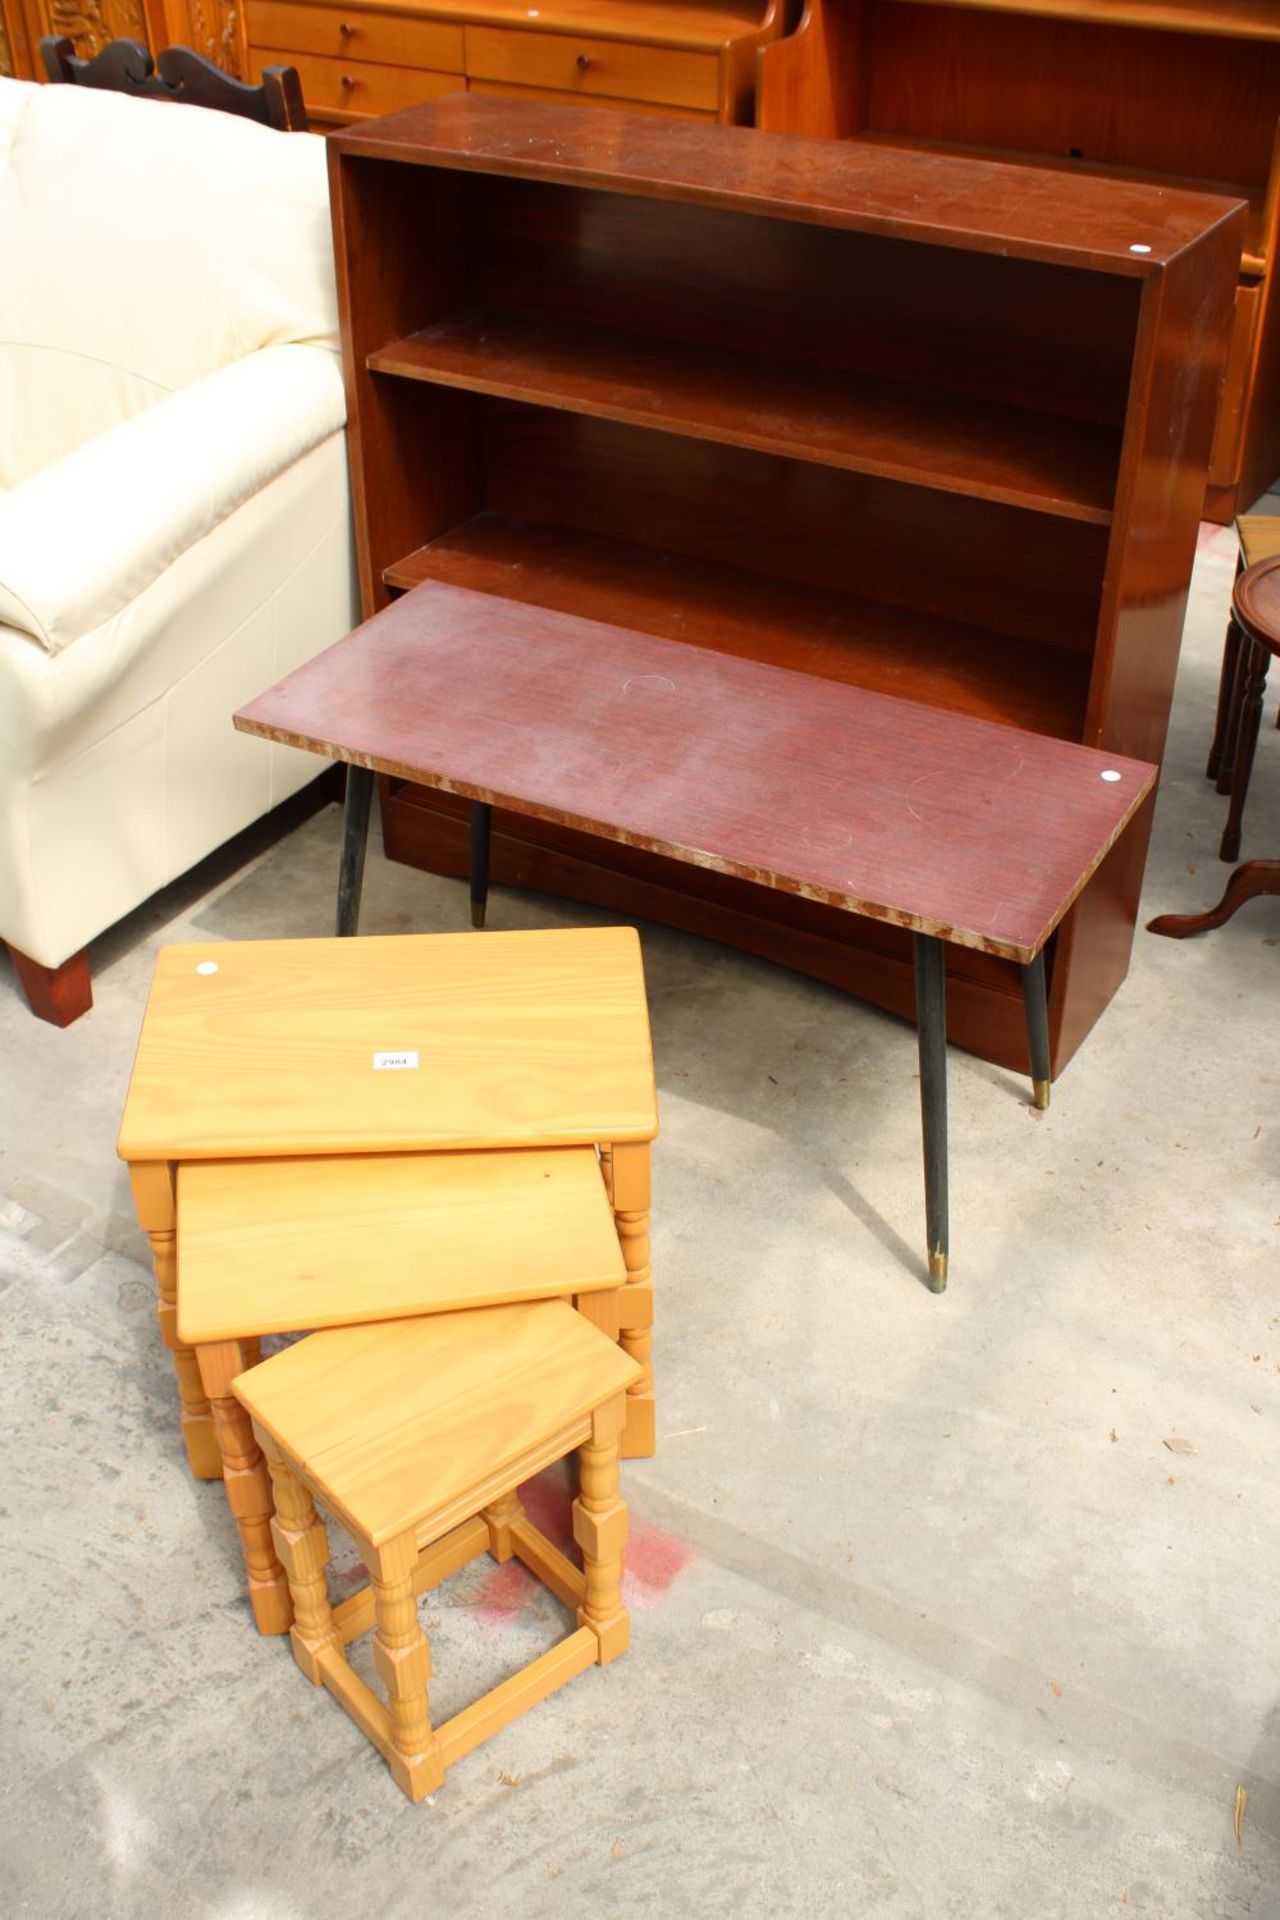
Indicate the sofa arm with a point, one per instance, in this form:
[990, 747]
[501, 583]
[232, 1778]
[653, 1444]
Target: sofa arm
[83, 537]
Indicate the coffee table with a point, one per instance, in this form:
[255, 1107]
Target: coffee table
[961, 830]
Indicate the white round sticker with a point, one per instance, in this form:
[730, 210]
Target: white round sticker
[207, 966]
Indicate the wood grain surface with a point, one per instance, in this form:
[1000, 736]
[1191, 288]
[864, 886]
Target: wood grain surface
[837, 636]
[838, 419]
[983, 206]
[274, 1246]
[981, 834]
[256, 1049]
[396, 1421]
[1250, 19]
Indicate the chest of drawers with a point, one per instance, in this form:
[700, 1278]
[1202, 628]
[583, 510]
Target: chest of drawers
[655, 56]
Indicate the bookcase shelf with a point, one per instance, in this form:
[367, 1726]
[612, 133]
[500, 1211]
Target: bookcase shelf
[948, 441]
[930, 425]
[836, 636]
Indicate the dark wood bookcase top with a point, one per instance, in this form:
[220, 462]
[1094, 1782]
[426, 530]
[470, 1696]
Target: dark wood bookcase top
[900, 420]
[911, 194]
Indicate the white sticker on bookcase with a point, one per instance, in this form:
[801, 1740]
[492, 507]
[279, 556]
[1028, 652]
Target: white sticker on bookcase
[390, 1062]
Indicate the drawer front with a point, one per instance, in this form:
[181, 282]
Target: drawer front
[351, 87]
[574, 66]
[391, 39]
[597, 100]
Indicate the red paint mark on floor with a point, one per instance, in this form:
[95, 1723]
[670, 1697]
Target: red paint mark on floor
[507, 1590]
[654, 1557]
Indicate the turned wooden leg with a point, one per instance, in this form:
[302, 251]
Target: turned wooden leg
[302, 1545]
[499, 1517]
[403, 1660]
[600, 1529]
[56, 994]
[1219, 763]
[1254, 662]
[244, 1474]
[631, 1194]
[197, 1421]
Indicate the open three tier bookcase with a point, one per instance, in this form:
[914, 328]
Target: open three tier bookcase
[931, 426]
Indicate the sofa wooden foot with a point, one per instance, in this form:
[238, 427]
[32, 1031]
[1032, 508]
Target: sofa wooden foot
[57, 994]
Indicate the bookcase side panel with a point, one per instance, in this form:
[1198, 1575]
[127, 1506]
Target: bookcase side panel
[400, 243]
[1178, 374]
[1178, 371]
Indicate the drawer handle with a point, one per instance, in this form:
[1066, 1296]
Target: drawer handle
[346, 29]
[584, 61]
[348, 80]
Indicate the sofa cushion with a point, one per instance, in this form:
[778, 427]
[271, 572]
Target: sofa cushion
[146, 491]
[144, 245]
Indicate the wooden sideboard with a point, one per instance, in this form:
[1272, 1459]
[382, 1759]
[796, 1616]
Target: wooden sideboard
[1181, 93]
[356, 60]
[933, 427]
[658, 56]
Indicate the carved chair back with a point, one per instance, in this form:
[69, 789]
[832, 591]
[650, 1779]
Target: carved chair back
[125, 66]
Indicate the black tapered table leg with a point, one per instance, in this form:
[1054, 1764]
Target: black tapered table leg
[931, 1033]
[355, 837]
[481, 823]
[1035, 1002]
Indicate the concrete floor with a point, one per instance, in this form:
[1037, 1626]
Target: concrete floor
[959, 1606]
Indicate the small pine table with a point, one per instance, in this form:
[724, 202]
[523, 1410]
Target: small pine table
[275, 1051]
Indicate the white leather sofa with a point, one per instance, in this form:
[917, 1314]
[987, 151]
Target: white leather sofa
[174, 515]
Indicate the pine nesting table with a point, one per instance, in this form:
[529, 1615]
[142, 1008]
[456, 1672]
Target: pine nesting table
[274, 1051]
